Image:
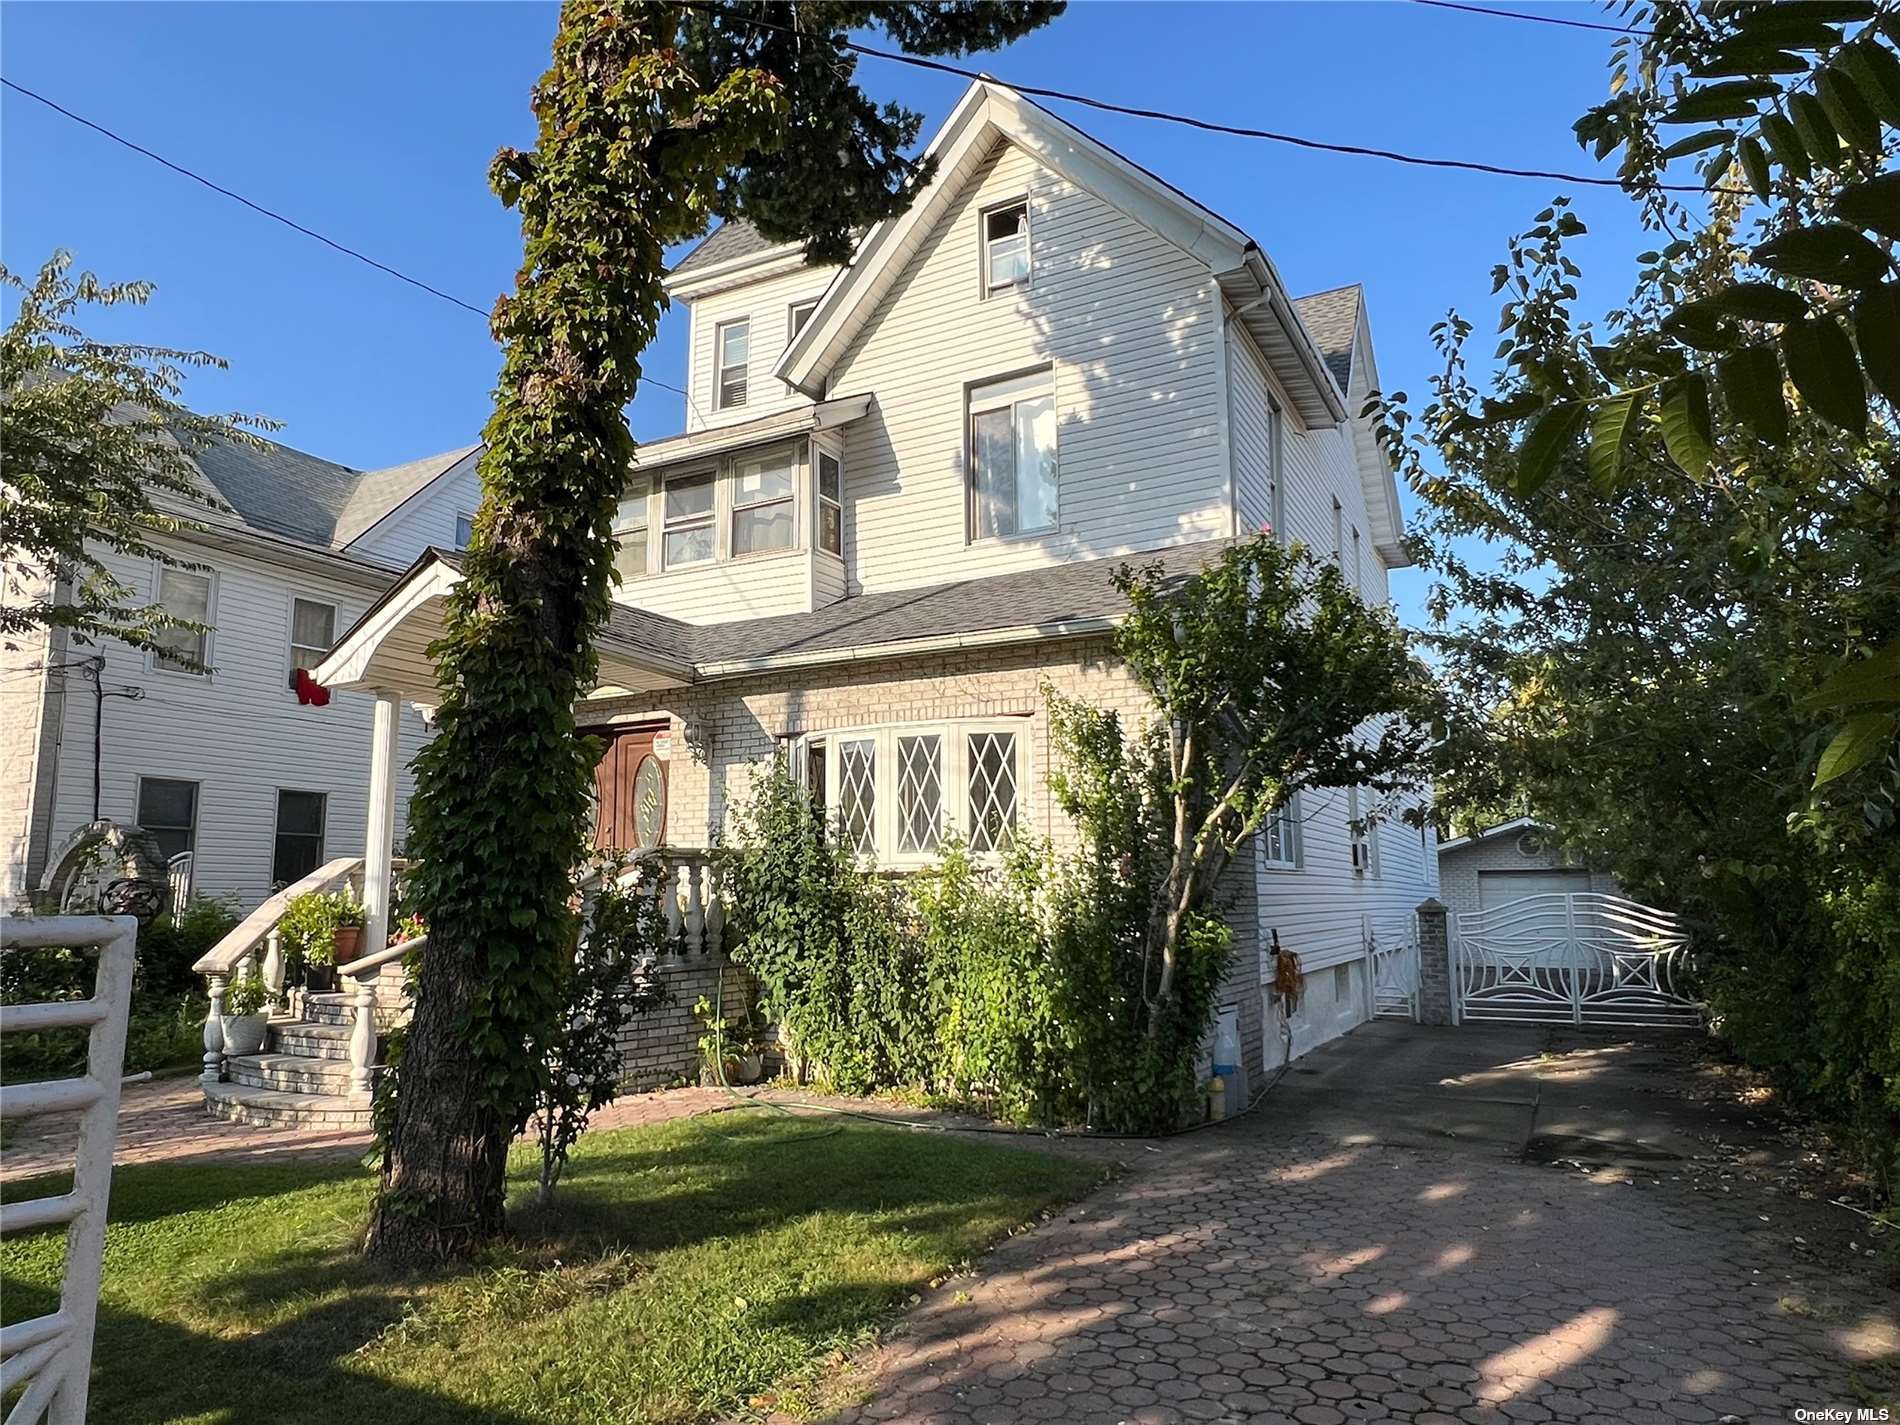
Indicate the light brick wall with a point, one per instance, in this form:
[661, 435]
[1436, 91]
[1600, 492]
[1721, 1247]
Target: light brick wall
[723, 731]
[662, 1047]
[31, 700]
[1458, 868]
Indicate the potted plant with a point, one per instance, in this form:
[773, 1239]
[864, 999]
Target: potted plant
[317, 930]
[732, 1046]
[245, 1016]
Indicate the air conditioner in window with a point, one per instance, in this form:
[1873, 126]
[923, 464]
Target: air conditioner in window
[1361, 856]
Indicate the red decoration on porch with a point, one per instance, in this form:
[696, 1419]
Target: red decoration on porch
[309, 691]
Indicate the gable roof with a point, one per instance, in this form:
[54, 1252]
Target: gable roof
[988, 113]
[1333, 319]
[725, 243]
[380, 493]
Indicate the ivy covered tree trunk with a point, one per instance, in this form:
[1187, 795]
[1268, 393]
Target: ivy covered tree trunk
[652, 119]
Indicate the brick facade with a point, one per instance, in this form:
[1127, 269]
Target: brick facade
[722, 731]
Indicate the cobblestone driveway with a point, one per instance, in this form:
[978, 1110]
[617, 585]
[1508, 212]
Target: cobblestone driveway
[1374, 1246]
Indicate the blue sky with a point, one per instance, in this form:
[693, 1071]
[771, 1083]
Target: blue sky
[375, 123]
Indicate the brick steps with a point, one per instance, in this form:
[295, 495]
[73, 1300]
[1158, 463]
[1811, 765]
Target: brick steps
[290, 1073]
[273, 1108]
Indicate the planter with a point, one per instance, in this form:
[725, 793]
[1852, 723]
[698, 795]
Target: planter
[319, 979]
[747, 1068]
[243, 1033]
[349, 943]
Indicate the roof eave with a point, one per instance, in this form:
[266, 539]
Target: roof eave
[735, 272]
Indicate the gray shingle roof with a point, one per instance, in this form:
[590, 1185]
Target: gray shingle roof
[724, 243]
[1333, 319]
[378, 492]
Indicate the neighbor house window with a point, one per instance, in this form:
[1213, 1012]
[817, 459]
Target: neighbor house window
[1357, 588]
[464, 530]
[896, 792]
[1276, 457]
[1006, 247]
[1013, 474]
[1338, 531]
[690, 536]
[1365, 856]
[630, 530]
[733, 350]
[762, 500]
[796, 317]
[312, 634]
[169, 810]
[185, 595]
[1279, 845]
[299, 847]
[830, 504]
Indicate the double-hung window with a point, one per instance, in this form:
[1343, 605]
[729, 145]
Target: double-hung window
[894, 794]
[1276, 468]
[1013, 475]
[312, 634]
[169, 810]
[298, 848]
[186, 595]
[763, 496]
[690, 535]
[1365, 854]
[830, 504]
[1357, 587]
[733, 352]
[464, 530]
[1006, 247]
[631, 517]
[1279, 838]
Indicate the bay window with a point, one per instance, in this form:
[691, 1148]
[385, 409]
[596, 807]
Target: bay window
[1013, 475]
[762, 498]
[631, 517]
[690, 537]
[896, 794]
[830, 504]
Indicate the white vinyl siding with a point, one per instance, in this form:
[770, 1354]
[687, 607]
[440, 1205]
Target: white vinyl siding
[769, 303]
[431, 516]
[1127, 325]
[1259, 439]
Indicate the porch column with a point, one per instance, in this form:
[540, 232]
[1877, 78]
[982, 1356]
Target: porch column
[379, 843]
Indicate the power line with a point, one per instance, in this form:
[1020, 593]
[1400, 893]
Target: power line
[1205, 125]
[1537, 19]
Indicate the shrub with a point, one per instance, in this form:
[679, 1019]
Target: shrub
[170, 945]
[246, 995]
[309, 926]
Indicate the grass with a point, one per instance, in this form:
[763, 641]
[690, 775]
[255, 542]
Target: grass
[687, 1268]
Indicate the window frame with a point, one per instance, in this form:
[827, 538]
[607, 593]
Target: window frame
[794, 328]
[278, 832]
[821, 501]
[1358, 565]
[621, 527]
[799, 454]
[989, 286]
[1276, 467]
[291, 645]
[1339, 536]
[155, 660]
[1356, 809]
[1287, 820]
[197, 809]
[720, 403]
[464, 517]
[953, 785]
[1034, 384]
[708, 519]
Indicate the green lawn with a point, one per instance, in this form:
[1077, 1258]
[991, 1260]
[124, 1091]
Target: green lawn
[689, 1267]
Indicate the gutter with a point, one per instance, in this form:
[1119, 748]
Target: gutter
[905, 647]
[1282, 308]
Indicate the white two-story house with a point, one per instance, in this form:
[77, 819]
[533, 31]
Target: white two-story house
[903, 487]
[209, 748]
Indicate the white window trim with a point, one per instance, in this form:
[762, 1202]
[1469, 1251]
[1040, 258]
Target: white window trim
[1005, 393]
[984, 286]
[154, 663]
[819, 500]
[1276, 467]
[276, 821]
[291, 645]
[666, 526]
[197, 803]
[802, 466]
[719, 364]
[620, 527]
[1366, 863]
[456, 533]
[956, 733]
[792, 309]
[1339, 535]
[1289, 818]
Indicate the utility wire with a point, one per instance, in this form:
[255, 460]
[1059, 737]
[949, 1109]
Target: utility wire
[1537, 19]
[1205, 125]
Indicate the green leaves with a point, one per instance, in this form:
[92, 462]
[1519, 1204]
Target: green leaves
[1850, 114]
[1733, 100]
[1825, 252]
[1877, 330]
[1873, 203]
[1686, 429]
[1816, 130]
[1821, 364]
[1609, 437]
[1875, 679]
[1861, 740]
[1755, 302]
[1755, 168]
[1877, 72]
[1786, 143]
[1751, 384]
[1545, 443]
[1708, 138]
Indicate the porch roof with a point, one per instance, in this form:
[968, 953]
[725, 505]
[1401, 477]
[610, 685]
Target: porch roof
[639, 651]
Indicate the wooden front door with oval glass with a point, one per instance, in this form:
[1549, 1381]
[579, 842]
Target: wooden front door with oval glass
[630, 788]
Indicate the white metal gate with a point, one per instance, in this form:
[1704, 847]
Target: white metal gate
[1584, 959]
[1391, 949]
[48, 1359]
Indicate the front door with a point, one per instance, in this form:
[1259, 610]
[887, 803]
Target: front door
[630, 789]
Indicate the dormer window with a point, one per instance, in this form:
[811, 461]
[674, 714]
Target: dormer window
[1006, 247]
[733, 342]
[799, 314]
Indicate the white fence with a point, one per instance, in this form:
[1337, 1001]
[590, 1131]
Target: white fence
[1581, 959]
[48, 1359]
[1392, 968]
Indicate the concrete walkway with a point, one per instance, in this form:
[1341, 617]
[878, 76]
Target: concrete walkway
[1419, 1225]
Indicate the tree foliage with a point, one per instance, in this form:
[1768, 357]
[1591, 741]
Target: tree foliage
[652, 119]
[98, 455]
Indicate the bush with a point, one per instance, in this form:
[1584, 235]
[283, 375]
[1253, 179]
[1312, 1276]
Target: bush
[309, 926]
[175, 941]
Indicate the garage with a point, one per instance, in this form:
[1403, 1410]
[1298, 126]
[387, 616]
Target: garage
[1496, 888]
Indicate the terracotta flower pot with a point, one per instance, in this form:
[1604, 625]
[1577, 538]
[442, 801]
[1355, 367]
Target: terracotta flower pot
[349, 943]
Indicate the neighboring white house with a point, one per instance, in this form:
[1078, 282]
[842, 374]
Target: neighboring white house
[902, 492]
[1507, 862]
[226, 764]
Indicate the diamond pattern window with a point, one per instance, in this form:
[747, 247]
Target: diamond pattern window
[992, 762]
[919, 793]
[857, 794]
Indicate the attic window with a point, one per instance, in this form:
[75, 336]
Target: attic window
[734, 343]
[1006, 247]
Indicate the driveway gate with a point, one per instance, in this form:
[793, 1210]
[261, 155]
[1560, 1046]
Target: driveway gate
[1584, 959]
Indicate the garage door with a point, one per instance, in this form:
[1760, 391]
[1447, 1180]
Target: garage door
[1496, 888]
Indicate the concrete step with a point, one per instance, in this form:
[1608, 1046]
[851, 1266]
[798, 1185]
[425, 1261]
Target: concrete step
[308, 1040]
[272, 1108]
[291, 1073]
[337, 1009]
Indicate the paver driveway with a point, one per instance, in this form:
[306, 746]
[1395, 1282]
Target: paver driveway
[1374, 1245]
